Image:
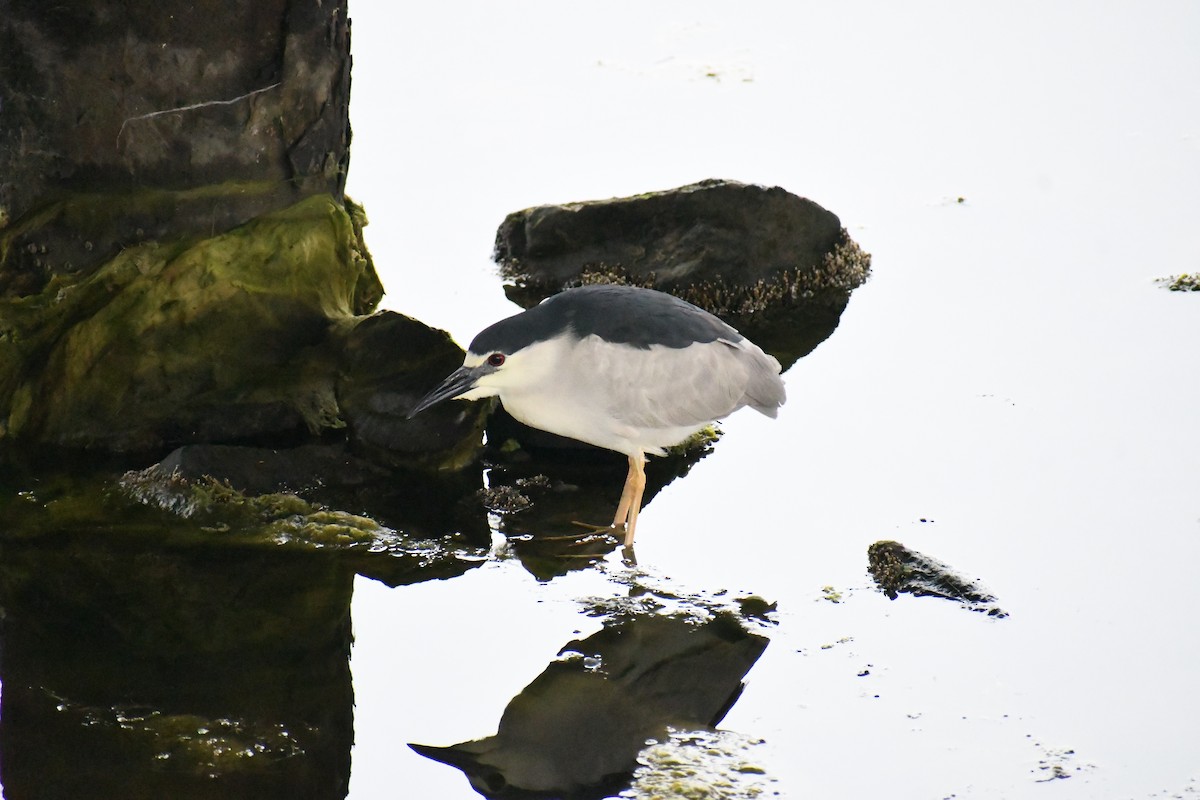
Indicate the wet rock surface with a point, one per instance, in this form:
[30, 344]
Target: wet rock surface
[254, 336]
[425, 526]
[899, 570]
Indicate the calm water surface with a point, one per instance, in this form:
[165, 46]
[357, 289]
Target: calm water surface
[1011, 394]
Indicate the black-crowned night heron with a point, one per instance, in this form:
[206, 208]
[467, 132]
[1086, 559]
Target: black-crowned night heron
[627, 369]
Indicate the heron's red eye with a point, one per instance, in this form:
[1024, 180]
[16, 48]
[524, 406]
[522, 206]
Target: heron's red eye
[496, 359]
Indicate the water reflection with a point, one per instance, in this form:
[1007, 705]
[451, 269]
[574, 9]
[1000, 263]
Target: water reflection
[577, 730]
[170, 636]
[133, 670]
[183, 630]
[541, 493]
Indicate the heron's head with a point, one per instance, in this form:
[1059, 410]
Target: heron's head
[492, 372]
[522, 353]
[479, 377]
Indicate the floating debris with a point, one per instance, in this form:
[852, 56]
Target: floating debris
[1056, 764]
[1187, 282]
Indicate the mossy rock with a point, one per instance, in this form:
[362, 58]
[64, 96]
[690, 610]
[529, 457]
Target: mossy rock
[217, 339]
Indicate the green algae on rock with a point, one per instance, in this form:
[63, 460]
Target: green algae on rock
[199, 340]
[278, 517]
[216, 514]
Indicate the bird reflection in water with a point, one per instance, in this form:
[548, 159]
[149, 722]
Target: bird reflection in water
[577, 729]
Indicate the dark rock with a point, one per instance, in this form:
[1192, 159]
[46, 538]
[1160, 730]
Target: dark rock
[320, 476]
[720, 244]
[388, 362]
[178, 263]
[776, 266]
[137, 121]
[897, 569]
[257, 470]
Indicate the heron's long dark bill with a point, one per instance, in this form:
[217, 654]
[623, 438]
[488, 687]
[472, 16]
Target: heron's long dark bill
[460, 381]
[454, 755]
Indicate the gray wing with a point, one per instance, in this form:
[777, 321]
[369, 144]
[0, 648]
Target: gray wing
[689, 386]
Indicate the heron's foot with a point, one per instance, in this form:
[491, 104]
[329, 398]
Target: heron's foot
[617, 531]
[590, 532]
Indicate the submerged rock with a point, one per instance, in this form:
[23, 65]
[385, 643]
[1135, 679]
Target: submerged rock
[897, 569]
[701, 765]
[279, 517]
[293, 497]
[260, 470]
[421, 504]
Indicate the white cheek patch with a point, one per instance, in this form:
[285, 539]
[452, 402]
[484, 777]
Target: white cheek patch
[477, 393]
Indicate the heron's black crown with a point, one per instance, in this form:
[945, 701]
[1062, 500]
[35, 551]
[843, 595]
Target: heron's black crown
[619, 314]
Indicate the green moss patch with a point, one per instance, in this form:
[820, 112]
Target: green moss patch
[216, 339]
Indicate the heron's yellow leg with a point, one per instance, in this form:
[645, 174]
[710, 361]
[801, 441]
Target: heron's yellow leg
[622, 515]
[636, 483]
